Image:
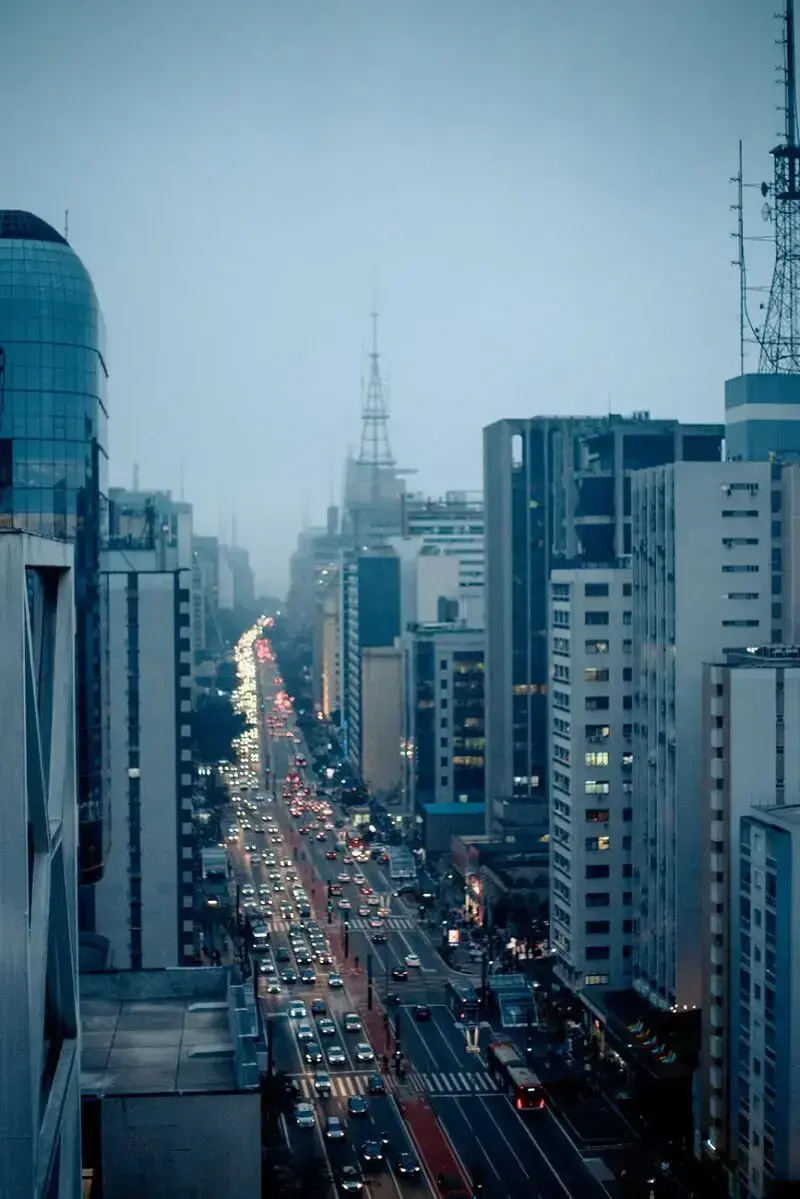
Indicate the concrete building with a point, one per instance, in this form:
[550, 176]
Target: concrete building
[591, 737]
[762, 418]
[454, 523]
[381, 718]
[244, 589]
[53, 461]
[751, 704]
[40, 1131]
[205, 577]
[557, 492]
[702, 581]
[170, 1078]
[328, 676]
[764, 1052]
[145, 901]
[443, 726]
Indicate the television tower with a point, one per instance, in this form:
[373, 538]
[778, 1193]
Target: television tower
[375, 449]
[779, 338]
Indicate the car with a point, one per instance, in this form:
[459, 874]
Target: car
[326, 1027]
[331, 855]
[363, 910]
[322, 1083]
[357, 1105]
[335, 980]
[349, 1180]
[304, 1032]
[378, 938]
[289, 977]
[304, 1115]
[334, 1129]
[372, 1153]
[274, 987]
[364, 1052]
[352, 1022]
[336, 1055]
[399, 973]
[407, 1166]
[367, 890]
[255, 859]
[359, 879]
[393, 999]
[344, 905]
[312, 1053]
[319, 1007]
[422, 1012]
[376, 1085]
[412, 960]
[308, 977]
[322, 836]
[344, 877]
[282, 954]
[302, 957]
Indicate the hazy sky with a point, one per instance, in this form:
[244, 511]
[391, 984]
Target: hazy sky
[538, 190]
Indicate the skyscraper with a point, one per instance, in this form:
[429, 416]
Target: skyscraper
[53, 461]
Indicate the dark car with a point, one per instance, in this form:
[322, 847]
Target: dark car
[313, 1054]
[399, 973]
[379, 938]
[422, 1012]
[319, 1007]
[357, 1105]
[308, 977]
[407, 1166]
[376, 1085]
[372, 1153]
[393, 999]
[350, 1180]
[289, 976]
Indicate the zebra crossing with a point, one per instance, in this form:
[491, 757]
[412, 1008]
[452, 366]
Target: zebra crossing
[477, 1082]
[360, 924]
[342, 1085]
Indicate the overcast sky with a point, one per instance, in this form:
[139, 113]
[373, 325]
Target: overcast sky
[536, 190]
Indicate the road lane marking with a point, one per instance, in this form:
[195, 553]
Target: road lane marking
[503, 1137]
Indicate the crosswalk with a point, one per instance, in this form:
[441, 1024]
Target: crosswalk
[342, 1085]
[476, 1082]
[360, 924]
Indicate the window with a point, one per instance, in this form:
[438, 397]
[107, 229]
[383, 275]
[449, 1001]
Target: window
[595, 590]
[596, 647]
[731, 542]
[599, 703]
[597, 815]
[597, 844]
[740, 570]
[596, 618]
[597, 953]
[595, 733]
[740, 595]
[598, 871]
[595, 928]
[740, 624]
[627, 617]
[734, 512]
[627, 674]
[597, 758]
[597, 899]
[593, 674]
[559, 591]
[627, 589]
[596, 787]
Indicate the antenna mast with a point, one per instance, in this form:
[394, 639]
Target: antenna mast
[780, 337]
[375, 450]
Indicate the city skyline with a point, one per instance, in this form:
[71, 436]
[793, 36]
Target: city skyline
[316, 179]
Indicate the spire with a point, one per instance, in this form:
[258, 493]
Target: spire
[780, 337]
[375, 449]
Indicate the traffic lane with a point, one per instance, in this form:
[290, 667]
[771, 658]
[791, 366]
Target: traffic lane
[482, 1147]
[415, 1044]
[383, 1117]
[446, 1044]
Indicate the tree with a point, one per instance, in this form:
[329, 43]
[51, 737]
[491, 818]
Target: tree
[215, 726]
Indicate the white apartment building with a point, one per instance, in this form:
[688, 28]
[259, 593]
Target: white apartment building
[454, 523]
[751, 707]
[702, 583]
[590, 776]
[329, 614]
[145, 902]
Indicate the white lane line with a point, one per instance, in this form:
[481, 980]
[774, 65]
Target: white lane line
[508, 1145]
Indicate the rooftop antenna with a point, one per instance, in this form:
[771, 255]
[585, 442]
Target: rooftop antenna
[233, 528]
[136, 476]
[66, 224]
[779, 340]
[375, 450]
[181, 480]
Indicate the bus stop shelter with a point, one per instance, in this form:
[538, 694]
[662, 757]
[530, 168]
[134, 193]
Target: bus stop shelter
[512, 998]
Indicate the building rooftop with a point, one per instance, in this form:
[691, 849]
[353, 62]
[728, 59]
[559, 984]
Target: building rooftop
[164, 1031]
[455, 809]
[24, 226]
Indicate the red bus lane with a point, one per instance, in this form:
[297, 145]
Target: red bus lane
[434, 1148]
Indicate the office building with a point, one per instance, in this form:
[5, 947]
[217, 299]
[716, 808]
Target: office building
[53, 459]
[702, 581]
[557, 492]
[40, 1132]
[762, 418]
[327, 656]
[146, 899]
[318, 552]
[443, 727]
[454, 523]
[751, 704]
[765, 1037]
[591, 912]
[244, 589]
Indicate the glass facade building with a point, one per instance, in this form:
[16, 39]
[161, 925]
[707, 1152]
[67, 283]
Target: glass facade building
[53, 456]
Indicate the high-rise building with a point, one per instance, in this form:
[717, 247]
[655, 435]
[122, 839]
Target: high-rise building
[702, 584]
[557, 493]
[454, 523]
[146, 899]
[591, 735]
[443, 729]
[53, 458]
[765, 1035]
[40, 1119]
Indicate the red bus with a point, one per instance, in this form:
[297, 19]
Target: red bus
[353, 840]
[506, 1065]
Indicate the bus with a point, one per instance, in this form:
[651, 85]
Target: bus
[353, 839]
[507, 1067]
[462, 999]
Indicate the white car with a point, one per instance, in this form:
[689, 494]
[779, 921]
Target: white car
[298, 1011]
[412, 961]
[304, 1115]
[364, 1052]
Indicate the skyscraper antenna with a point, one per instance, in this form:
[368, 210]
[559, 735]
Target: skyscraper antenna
[233, 527]
[136, 476]
[779, 338]
[181, 480]
[66, 224]
[375, 450]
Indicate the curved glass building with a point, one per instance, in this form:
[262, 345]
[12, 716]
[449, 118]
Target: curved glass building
[53, 457]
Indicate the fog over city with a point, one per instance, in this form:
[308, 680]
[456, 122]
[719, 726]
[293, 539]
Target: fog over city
[536, 196]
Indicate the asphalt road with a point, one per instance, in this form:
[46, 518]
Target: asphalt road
[516, 1155]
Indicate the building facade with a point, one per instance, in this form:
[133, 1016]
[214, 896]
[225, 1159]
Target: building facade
[455, 524]
[751, 704]
[703, 584]
[762, 418]
[557, 493]
[53, 457]
[146, 899]
[764, 1058]
[591, 813]
[40, 1118]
